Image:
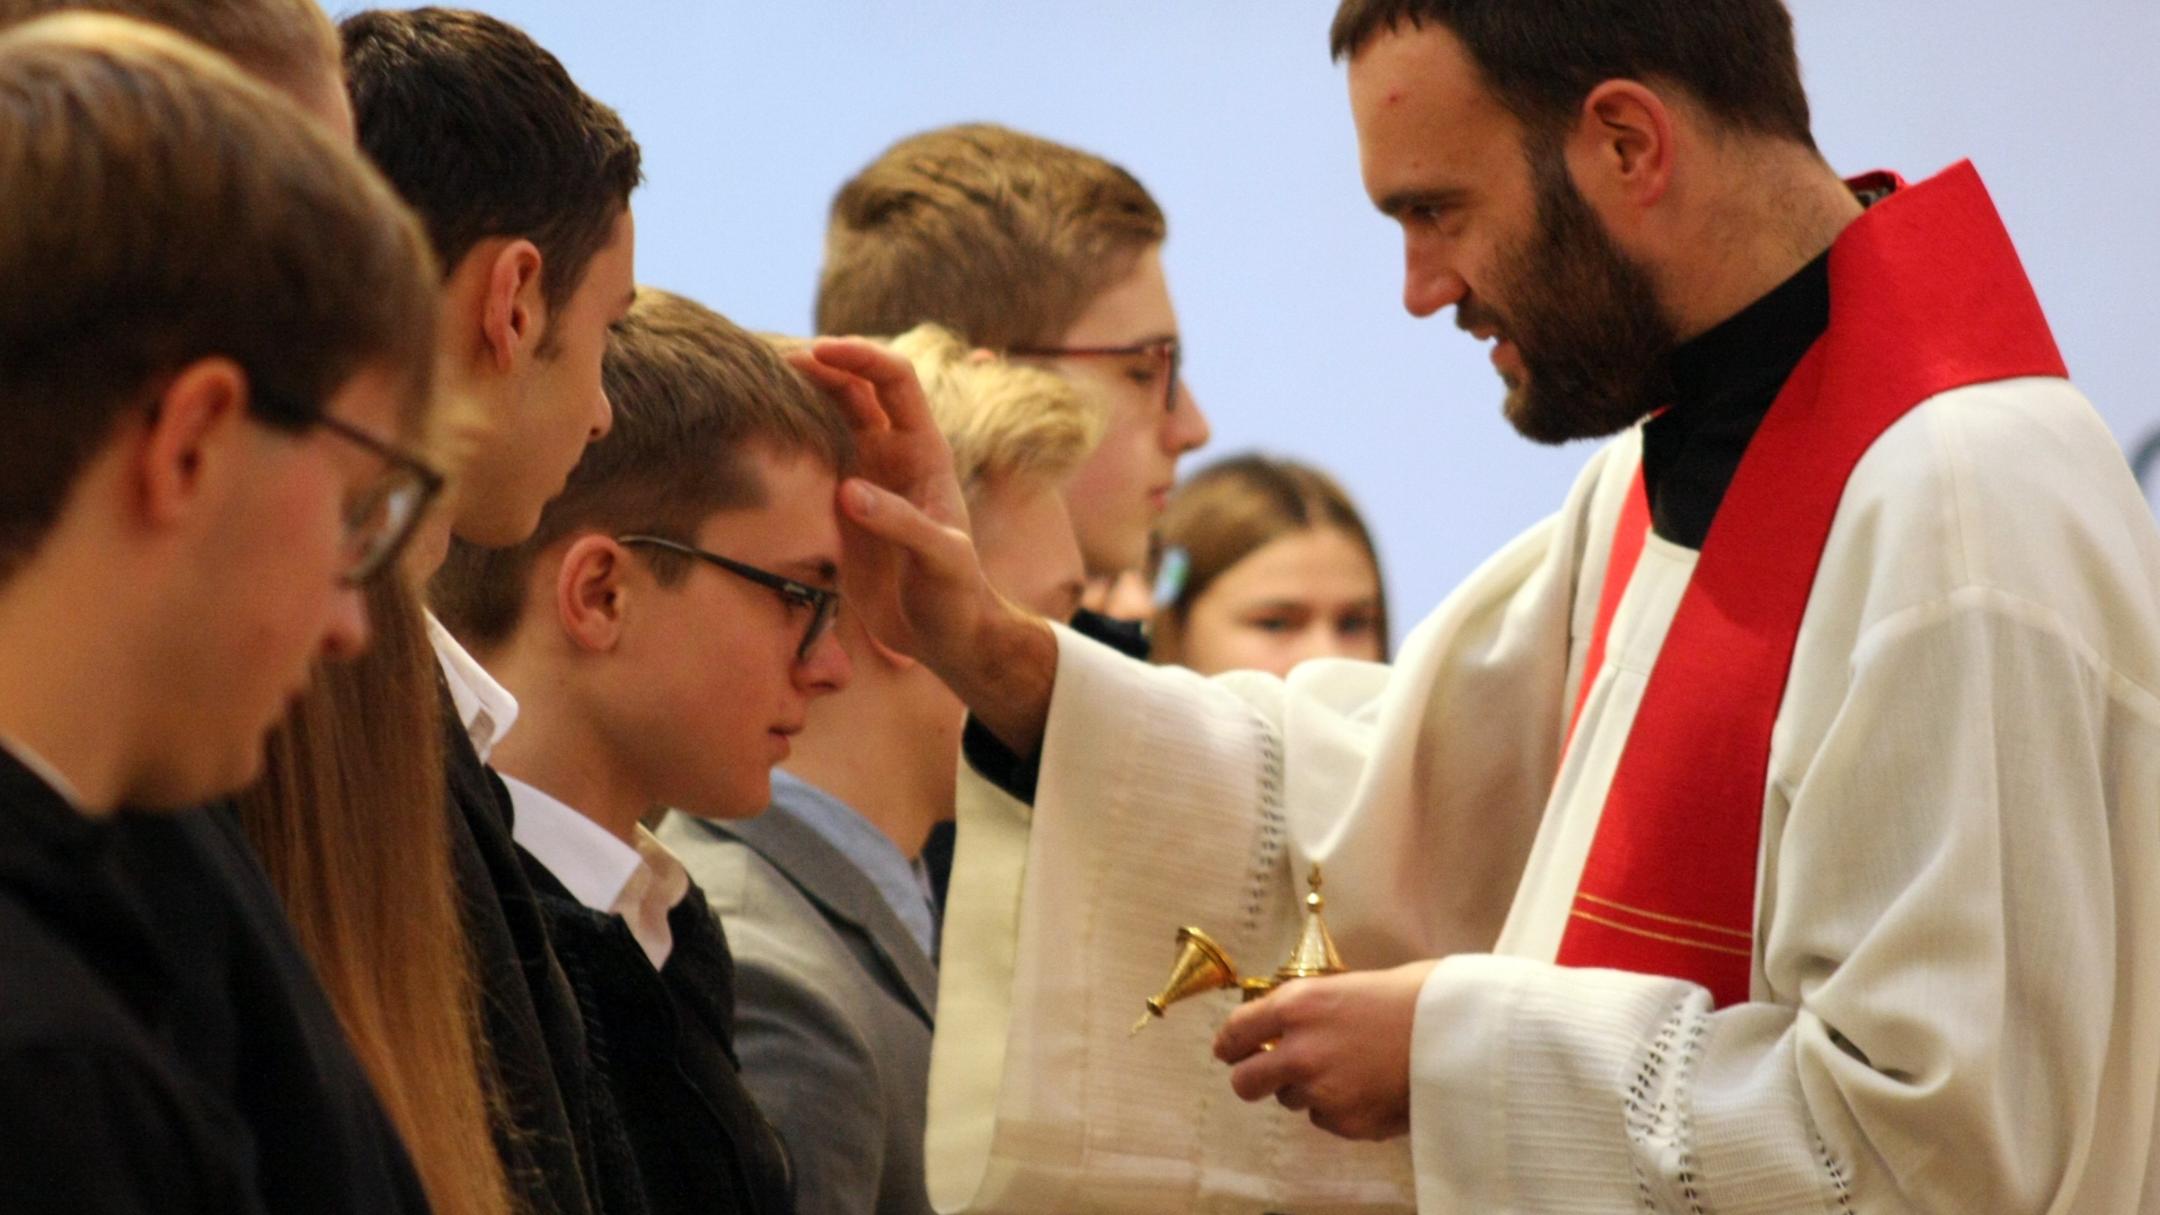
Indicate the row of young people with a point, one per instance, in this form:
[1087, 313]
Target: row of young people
[521, 1004]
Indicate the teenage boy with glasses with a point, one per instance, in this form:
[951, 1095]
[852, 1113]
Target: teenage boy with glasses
[1039, 251]
[665, 630]
[186, 510]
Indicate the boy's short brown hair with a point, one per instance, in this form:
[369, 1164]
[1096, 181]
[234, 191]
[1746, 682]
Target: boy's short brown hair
[1001, 237]
[698, 402]
[485, 134]
[163, 208]
[289, 43]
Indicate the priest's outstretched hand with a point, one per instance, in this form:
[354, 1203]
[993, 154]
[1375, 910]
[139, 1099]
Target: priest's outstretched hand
[1336, 1047]
[909, 568]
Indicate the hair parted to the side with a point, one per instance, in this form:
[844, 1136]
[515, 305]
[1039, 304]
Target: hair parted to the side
[1734, 57]
[1002, 419]
[163, 208]
[486, 135]
[1226, 512]
[698, 401]
[1001, 237]
[289, 44]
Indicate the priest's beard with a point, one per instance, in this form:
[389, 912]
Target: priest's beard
[1594, 341]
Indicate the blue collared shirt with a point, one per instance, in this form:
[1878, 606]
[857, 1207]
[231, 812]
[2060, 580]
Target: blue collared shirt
[904, 883]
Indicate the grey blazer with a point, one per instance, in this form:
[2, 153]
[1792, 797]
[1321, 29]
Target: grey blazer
[833, 1007]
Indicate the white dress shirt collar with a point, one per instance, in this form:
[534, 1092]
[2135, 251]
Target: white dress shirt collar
[641, 884]
[484, 706]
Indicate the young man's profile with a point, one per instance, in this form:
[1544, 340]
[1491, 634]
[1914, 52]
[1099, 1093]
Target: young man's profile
[189, 503]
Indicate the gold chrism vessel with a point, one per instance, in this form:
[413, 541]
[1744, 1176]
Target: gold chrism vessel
[1204, 966]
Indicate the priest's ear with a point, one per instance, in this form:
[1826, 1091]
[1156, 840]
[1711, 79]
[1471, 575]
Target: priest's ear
[1621, 152]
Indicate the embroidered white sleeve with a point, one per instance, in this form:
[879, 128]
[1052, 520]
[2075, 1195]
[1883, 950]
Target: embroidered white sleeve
[1960, 974]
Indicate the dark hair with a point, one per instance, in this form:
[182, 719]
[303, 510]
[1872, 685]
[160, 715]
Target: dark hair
[1540, 58]
[999, 236]
[485, 135]
[1227, 511]
[697, 401]
[161, 209]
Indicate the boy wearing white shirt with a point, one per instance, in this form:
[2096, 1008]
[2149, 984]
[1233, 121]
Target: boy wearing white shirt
[664, 632]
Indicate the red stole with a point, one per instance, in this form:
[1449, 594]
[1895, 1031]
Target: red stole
[1926, 295]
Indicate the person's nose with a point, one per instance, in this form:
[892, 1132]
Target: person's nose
[603, 417]
[1185, 428]
[826, 668]
[1430, 282]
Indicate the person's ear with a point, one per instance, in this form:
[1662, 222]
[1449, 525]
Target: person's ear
[512, 311]
[189, 449]
[1622, 148]
[591, 598]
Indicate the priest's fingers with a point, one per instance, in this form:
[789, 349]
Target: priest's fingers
[1252, 1026]
[916, 582]
[857, 397]
[1271, 1073]
[899, 393]
[892, 518]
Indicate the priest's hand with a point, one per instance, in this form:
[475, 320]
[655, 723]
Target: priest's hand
[1337, 1047]
[909, 568]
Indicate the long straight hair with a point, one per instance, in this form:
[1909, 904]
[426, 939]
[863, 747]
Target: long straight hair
[352, 824]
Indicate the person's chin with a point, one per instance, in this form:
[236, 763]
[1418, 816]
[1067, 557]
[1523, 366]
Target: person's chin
[204, 779]
[751, 800]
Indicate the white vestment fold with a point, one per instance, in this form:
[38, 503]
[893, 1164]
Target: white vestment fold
[1955, 1002]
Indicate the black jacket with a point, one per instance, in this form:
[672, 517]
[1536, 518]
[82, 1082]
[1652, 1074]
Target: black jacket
[663, 1041]
[99, 1110]
[530, 1015]
[250, 1020]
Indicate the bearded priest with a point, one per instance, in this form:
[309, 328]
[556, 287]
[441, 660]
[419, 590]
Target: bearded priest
[1771, 829]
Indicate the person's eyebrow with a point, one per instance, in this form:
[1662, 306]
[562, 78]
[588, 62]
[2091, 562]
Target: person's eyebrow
[817, 571]
[1396, 205]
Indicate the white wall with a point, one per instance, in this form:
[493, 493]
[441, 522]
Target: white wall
[751, 114]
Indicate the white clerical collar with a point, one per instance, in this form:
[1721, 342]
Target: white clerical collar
[484, 706]
[640, 884]
[41, 768]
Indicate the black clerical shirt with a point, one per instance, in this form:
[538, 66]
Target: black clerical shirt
[1724, 382]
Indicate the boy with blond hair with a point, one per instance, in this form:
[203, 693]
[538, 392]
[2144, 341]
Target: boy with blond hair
[1039, 251]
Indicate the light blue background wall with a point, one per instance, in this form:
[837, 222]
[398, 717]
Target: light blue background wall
[751, 114]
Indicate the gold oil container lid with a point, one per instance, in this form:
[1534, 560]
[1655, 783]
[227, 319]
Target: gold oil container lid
[1203, 966]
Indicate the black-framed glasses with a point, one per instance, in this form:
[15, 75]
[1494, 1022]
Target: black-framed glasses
[380, 517]
[822, 604]
[1167, 350]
